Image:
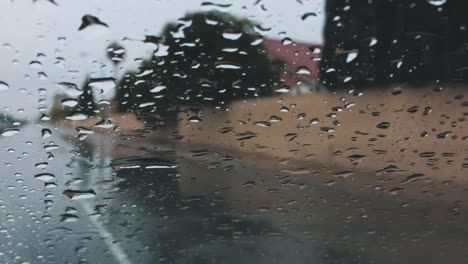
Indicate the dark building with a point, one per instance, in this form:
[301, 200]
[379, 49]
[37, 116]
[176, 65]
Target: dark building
[375, 42]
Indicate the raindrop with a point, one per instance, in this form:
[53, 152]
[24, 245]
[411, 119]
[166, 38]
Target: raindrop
[35, 64]
[327, 129]
[41, 165]
[249, 184]
[343, 174]
[158, 89]
[307, 15]
[195, 119]
[104, 123]
[303, 70]
[427, 154]
[10, 132]
[262, 123]
[77, 117]
[444, 134]
[105, 84]
[284, 89]
[275, 119]
[396, 90]
[4, 86]
[284, 109]
[88, 20]
[227, 66]
[437, 2]
[413, 178]
[232, 36]
[356, 158]
[46, 133]
[427, 110]
[45, 176]
[161, 166]
[70, 88]
[42, 76]
[351, 56]
[69, 102]
[66, 218]
[413, 109]
[286, 41]
[78, 195]
[314, 121]
[383, 125]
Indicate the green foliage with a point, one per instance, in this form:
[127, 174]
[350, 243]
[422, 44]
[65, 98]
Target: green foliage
[211, 59]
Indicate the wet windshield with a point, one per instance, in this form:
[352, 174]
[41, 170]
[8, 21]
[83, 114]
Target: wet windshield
[250, 131]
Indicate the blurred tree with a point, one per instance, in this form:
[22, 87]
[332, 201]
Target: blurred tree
[58, 111]
[86, 104]
[208, 58]
[124, 91]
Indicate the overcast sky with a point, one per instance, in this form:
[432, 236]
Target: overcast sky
[42, 31]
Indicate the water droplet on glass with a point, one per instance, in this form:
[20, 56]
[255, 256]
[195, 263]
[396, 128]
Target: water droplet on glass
[308, 15]
[35, 64]
[351, 56]
[46, 133]
[69, 102]
[158, 89]
[4, 86]
[413, 177]
[77, 117]
[10, 132]
[45, 177]
[274, 119]
[286, 41]
[383, 125]
[105, 84]
[437, 2]
[232, 36]
[195, 119]
[67, 218]
[88, 21]
[77, 194]
[41, 165]
[303, 70]
[314, 121]
[227, 66]
[262, 123]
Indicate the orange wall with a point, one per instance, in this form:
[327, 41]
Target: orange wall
[357, 134]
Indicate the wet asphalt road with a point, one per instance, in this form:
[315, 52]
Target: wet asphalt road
[204, 208]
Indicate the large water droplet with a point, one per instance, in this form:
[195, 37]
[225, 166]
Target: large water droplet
[351, 56]
[45, 177]
[77, 117]
[437, 2]
[46, 133]
[4, 86]
[69, 102]
[77, 194]
[383, 125]
[10, 132]
[232, 36]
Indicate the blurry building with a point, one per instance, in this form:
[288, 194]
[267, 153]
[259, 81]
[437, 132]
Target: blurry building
[376, 42]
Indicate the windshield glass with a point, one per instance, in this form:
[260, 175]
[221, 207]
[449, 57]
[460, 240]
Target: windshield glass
[247, 131]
